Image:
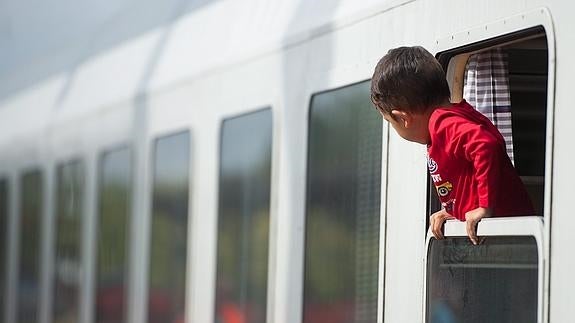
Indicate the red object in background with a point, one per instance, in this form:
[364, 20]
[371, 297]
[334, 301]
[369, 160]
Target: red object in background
[231, 313]
[329, 313]
[110, 304]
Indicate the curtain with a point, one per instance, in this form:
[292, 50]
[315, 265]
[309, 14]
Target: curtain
[486, 87]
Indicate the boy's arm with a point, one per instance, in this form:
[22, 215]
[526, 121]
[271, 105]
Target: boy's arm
[487, 155]
[483, 149]
[486, 152]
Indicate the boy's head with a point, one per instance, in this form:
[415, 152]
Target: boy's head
[408, 79]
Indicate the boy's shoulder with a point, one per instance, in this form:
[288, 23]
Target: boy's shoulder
[458, 112]
[458, 118]
[457, 109]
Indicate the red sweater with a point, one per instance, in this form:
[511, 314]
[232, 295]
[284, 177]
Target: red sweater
[469, 165]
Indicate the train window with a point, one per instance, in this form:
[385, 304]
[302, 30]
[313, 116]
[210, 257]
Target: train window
[30, 223]
[506, 80]
[343, 207]
[3, 240]
[243, 218]
[112, 236]
[169, 236]
[68, 263]
[498, 280]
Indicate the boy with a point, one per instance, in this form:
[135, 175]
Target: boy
[466, 154]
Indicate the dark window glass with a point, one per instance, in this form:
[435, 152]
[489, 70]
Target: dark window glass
[169, 236]
[243, 219]
[112, 236]
[68, 263]
[494, 282]
[342, 211]
[3, 241]
[30, 220]
[528, 85]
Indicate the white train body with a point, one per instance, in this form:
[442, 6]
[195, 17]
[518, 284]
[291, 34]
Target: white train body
[229, 58]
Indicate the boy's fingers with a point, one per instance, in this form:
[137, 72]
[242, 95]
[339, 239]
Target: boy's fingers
[432, 225]
[437, 221]
[432, 222]
[436, 224]
[471, 231]
[438, 233]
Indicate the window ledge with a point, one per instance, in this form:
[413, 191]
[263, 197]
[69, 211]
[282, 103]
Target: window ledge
[508, 226]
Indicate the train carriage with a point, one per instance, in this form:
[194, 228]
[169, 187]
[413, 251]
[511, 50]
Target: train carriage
[220, 161]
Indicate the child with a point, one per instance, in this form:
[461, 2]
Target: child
[466, 154]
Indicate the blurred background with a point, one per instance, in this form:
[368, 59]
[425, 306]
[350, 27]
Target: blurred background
[43, 38]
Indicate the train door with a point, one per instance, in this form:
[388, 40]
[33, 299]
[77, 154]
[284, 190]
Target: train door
[505, 70]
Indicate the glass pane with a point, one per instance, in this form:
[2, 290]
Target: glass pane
[243, 219]
[30, 221]
[528, 76]
[169, 237]
[3, 241]
[112, 236]
[68, 263]
[493, 282]
[342, 212]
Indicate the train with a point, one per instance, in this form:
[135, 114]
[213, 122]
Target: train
[224, 163]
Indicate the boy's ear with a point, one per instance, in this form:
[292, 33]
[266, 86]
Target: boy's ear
[405, 118]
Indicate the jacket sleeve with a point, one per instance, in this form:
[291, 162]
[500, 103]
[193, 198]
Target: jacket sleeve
[476, 144]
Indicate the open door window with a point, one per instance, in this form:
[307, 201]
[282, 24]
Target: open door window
[506, 79]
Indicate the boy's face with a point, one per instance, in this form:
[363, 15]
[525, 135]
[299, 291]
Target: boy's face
[409, 126]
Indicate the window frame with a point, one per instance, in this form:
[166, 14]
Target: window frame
[154, 142]
[508, 29]
[98, 167]
[532, 226]
[76, 161]
[43, 188]
[270, 263]
[445, 58]
[333, 87]
[4, 244]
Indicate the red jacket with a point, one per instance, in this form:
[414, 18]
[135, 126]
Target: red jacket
[469, 165]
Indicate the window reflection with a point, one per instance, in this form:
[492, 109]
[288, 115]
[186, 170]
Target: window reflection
[3, 240]
[68, 263]
[243, 218]
[493, 282]
[342, 212]
[112, 236]
[169, 236]
[30, 220]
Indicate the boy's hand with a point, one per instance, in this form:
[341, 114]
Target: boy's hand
[472, 218]
[436, 222]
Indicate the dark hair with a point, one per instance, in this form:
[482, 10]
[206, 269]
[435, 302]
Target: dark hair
[410, 79]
